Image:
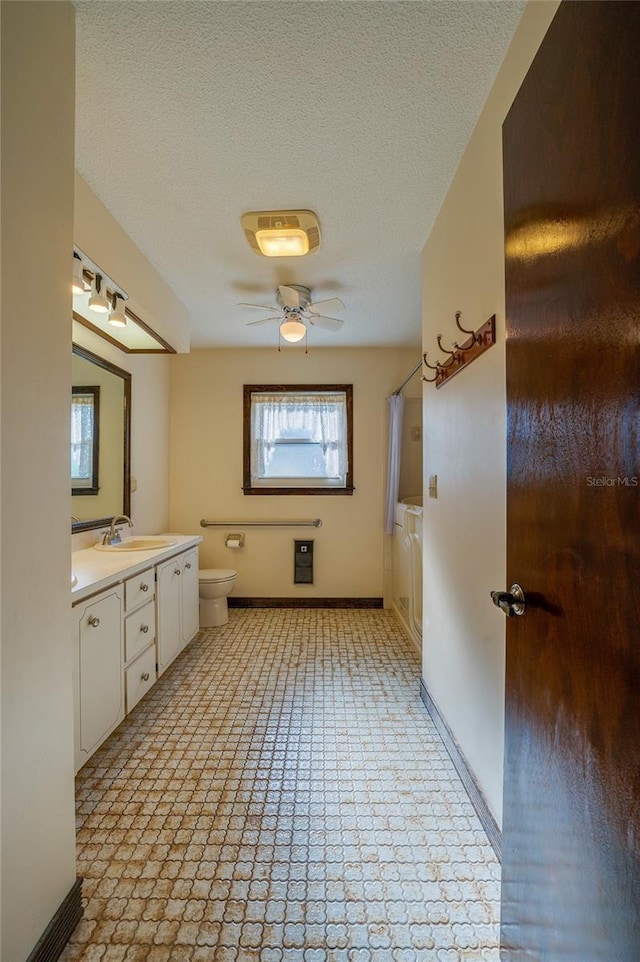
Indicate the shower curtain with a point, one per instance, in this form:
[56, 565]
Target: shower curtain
[396, 407]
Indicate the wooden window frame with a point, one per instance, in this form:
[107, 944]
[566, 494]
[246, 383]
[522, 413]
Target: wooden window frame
[250, 389]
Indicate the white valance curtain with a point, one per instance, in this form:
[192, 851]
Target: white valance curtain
[318, 417]
[396, 408]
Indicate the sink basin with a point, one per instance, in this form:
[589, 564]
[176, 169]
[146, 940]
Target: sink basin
[136, 544]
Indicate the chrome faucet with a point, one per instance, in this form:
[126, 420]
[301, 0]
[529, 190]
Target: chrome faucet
[112, 536]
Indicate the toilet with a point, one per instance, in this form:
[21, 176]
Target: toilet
[215, 585]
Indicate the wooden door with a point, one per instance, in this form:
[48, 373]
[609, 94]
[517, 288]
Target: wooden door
[571, 871]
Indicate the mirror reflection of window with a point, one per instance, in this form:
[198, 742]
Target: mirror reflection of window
[93, 507]
[85, 450]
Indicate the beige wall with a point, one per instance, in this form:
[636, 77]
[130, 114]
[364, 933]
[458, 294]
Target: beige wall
[149, 434]
[206, 468]
[411, 452]
[100, 237]
[465, 438]
[38, 841]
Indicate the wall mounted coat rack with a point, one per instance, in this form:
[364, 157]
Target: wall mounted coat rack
[461, 355]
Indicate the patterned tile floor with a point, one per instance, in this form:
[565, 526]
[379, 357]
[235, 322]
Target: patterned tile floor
[281, 795]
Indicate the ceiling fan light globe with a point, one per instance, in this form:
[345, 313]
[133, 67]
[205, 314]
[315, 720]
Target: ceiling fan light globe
[292, 331]
[283, 242]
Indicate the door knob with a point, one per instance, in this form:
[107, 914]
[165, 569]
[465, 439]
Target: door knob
[512, 602]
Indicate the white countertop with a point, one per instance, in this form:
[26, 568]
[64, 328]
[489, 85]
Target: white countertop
[97, 570]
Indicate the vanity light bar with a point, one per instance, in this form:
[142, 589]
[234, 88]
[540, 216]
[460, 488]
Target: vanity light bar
[116, 324]
[90, 272]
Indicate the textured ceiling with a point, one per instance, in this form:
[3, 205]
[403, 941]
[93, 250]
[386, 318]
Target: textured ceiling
[189, 113]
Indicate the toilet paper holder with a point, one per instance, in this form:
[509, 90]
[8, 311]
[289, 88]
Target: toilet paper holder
[234, 540]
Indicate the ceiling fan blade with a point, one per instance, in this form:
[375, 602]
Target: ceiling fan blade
[289, 296]
[260, 307]
[331, 304]
[265, 320]
[331, 323]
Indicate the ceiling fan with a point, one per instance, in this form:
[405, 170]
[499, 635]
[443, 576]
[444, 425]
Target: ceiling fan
[295, 310]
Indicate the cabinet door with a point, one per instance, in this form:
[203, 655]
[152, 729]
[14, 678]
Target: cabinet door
[190, 596]
[169, 626]
[100, 683]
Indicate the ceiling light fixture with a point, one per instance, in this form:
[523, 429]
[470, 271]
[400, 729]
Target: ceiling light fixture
[78, 285]
[293, 330]
[98, 300]
[283, 242]
[282, 233]
[117, 316]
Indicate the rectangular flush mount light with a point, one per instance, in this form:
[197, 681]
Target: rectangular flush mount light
[282, 233]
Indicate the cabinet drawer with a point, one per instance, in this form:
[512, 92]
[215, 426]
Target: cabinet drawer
[139, 630]
[140, 676]
[139, 589]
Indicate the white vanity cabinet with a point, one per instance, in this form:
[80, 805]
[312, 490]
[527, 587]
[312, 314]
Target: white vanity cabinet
[98, 688]
[177, 605]
[126, 634]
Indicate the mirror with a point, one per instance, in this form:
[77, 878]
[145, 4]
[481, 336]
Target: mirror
[100, 440]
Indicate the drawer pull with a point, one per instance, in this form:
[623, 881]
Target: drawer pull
[94, 621]
[144, 676]
[144, 586]
[188, 565]
[144, 628]
[177, 571]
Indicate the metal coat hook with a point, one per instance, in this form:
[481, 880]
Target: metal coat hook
[437, 368]
[463, 330]
[432, 367]
[454, 354]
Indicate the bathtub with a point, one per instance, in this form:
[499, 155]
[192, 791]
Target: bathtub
[407, 567]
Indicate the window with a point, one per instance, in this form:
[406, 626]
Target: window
[85, 403]
[298, 439]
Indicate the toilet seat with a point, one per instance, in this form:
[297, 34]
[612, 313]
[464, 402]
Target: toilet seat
[216, 575]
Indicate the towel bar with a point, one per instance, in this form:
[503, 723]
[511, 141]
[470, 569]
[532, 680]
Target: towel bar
[312, 523]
